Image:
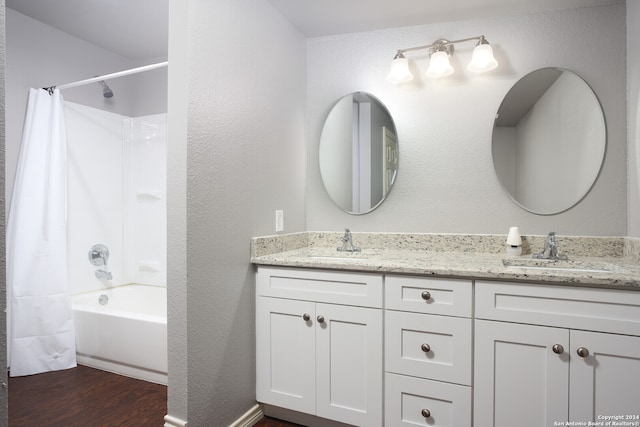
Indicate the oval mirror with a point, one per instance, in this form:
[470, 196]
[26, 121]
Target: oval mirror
[549, 141]
[358, 153]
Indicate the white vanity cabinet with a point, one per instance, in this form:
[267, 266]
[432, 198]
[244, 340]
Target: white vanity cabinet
[319, 343]
[552, 354]
[428, 351]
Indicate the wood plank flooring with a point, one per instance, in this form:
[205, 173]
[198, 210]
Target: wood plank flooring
[87, 397]
[272, 422]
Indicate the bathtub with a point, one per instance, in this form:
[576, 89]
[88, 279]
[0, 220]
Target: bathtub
[123, 330]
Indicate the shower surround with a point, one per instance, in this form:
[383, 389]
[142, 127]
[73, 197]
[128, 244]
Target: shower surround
[117, 197]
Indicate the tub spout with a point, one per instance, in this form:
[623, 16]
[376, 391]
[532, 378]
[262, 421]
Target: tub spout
[101, 274]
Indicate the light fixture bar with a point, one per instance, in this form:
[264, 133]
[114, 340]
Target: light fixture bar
[441, 42]
[482, 59]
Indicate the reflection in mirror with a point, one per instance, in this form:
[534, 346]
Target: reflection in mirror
[358, 153]
[549, 141]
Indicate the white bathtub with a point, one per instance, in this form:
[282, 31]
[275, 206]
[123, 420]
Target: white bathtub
[127, 335]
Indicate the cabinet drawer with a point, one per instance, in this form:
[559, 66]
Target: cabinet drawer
[451, 297]
[448, 356]
[360, 289]
[605, 310]
[407, 397]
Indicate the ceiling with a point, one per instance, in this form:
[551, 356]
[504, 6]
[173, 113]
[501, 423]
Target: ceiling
[326, 17]
[138, 29]
[135, 29]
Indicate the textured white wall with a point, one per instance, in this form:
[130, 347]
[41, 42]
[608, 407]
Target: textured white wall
[633, 114]
[4, 395]
[446, 181]
[245, 159]
[178, 99]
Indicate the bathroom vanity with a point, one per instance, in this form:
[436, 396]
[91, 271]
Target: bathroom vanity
[444, 337]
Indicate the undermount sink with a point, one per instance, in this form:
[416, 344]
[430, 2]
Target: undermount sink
[561, 264]
[339, 257]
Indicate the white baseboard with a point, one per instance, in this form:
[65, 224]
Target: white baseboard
[170, 421]
[249, 418]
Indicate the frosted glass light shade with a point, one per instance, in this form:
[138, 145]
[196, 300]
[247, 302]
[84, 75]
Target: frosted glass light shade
[482, 59]
[399, 72]
[439, 65]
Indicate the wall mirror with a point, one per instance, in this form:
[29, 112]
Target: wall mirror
[358, 153]
[549, 141]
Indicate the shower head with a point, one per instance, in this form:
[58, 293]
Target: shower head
[106, 90]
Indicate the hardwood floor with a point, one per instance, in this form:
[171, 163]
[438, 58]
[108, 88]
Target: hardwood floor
[85, 397]
[272, 422]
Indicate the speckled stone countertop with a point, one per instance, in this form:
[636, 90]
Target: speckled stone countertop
[593, 261]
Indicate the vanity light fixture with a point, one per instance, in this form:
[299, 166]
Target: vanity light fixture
[481, 60]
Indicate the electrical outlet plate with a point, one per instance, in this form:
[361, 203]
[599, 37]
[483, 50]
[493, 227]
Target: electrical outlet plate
[279, 220]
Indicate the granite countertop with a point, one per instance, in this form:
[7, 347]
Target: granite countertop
[613, 267]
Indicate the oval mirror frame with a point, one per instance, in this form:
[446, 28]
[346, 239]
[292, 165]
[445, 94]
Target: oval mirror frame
[358, 153]
[549, 141]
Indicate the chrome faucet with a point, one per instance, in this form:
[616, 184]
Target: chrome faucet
[550, 250]
[102, 274]
[347, 243]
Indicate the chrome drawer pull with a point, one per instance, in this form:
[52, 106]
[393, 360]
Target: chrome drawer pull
[583, 352]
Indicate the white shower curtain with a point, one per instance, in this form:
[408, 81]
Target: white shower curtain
[41, 335]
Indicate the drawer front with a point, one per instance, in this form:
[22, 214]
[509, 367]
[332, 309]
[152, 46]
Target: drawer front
[360, 289]
[407, 399]
[605, 310]
[428, 346]
[450, 297]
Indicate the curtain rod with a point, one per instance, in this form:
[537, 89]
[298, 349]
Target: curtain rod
[109, 76]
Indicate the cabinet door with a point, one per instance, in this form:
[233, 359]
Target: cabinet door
[349, 364]
[519, 379]
[604, 382]
[285, 354]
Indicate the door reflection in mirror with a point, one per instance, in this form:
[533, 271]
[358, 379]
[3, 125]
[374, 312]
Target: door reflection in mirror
[358, 153]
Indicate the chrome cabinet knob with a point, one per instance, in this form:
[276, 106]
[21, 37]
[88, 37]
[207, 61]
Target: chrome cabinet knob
[320, 319]
[425, 347]
[306, 317]
[426, 295]
[558, 349]
[426, 413]
[582, 352]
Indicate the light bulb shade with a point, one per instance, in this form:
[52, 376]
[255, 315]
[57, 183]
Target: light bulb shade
[439, 65]
[399, 72]
[482, 59]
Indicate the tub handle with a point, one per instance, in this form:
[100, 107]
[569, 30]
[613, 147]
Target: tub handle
[99, 255]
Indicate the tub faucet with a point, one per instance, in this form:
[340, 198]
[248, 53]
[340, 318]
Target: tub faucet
[347, 243]
[550, 250]
[102, 274]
